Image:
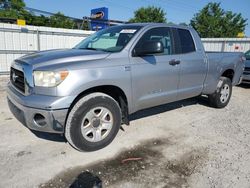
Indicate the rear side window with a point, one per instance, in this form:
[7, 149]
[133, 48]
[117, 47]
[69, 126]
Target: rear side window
[185, 41]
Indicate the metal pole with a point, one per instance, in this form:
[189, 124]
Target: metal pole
[223, 46]
[38, 40]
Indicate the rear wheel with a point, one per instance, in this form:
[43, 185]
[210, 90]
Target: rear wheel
[93, 122]
[221, 97]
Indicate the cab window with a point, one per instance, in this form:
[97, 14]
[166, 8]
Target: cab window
[184, 42]
[162, 34]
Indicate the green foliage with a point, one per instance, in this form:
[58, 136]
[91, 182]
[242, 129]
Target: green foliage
[40, 20]
[60, 21]
[213, 21]
[16, 9]
[17, 4]
[9, 14]
[11, 9]
[149, 14]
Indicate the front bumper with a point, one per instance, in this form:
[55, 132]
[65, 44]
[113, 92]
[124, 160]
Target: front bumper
[44, 118]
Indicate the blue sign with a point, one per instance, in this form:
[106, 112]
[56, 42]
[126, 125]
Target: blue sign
[99, 18]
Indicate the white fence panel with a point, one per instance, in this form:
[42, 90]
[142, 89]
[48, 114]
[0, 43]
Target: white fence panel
[15, 41]
[226, 44]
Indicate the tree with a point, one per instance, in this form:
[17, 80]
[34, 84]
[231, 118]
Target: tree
[4, 4]
[149, 14]
[16, 9]
[17, 5]
[61, 21]
[213, 21]
[40, 20]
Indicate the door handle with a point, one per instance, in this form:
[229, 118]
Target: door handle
[177, 62]
[174, 62]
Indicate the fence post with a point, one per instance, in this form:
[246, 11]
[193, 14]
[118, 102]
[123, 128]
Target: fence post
[38, 40]
[223, 46]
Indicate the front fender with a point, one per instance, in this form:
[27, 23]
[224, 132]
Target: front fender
[81, 80]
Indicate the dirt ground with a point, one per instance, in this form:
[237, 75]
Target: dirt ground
[182, 144]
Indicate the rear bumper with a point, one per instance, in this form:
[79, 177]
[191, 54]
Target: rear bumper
[44, 120]
[245, 78]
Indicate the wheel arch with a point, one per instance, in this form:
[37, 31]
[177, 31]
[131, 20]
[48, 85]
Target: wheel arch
[113, 91]
[229, 73]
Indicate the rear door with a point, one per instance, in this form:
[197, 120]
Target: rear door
[154, 79]
[192, 64]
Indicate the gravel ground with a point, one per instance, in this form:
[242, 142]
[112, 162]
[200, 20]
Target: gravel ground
[182, 144]
[3, 81]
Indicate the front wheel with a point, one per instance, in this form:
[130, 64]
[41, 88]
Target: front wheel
[93, 122]
[221, 97]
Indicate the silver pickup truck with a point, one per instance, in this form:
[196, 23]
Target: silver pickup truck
[87, 92]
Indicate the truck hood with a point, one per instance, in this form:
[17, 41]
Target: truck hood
[53, 57]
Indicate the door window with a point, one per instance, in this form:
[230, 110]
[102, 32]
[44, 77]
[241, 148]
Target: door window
[162, 34]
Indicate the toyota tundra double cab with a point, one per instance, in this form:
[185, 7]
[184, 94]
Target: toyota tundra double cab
[87, 92]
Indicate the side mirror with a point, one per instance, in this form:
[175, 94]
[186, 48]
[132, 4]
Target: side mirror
[150, 47]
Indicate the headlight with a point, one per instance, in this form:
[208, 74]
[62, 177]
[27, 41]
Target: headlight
[49, 78]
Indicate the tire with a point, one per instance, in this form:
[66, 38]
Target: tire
[221, 97]
[93, 122]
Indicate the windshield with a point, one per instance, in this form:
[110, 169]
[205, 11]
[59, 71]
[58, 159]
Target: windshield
[113, 39]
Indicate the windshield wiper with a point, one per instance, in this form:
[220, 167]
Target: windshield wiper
[96, 49]
[89, 48]
[86, 48]
[106, 50]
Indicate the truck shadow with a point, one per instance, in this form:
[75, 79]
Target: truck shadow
[245, 86]
[202, 100]
[49, 136]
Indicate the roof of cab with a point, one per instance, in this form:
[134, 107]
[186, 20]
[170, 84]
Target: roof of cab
[159, 25]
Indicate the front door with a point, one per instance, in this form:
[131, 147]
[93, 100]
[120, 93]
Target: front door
[155, 76]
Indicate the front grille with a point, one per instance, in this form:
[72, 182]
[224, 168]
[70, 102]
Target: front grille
[17, 79]
[247, 69]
